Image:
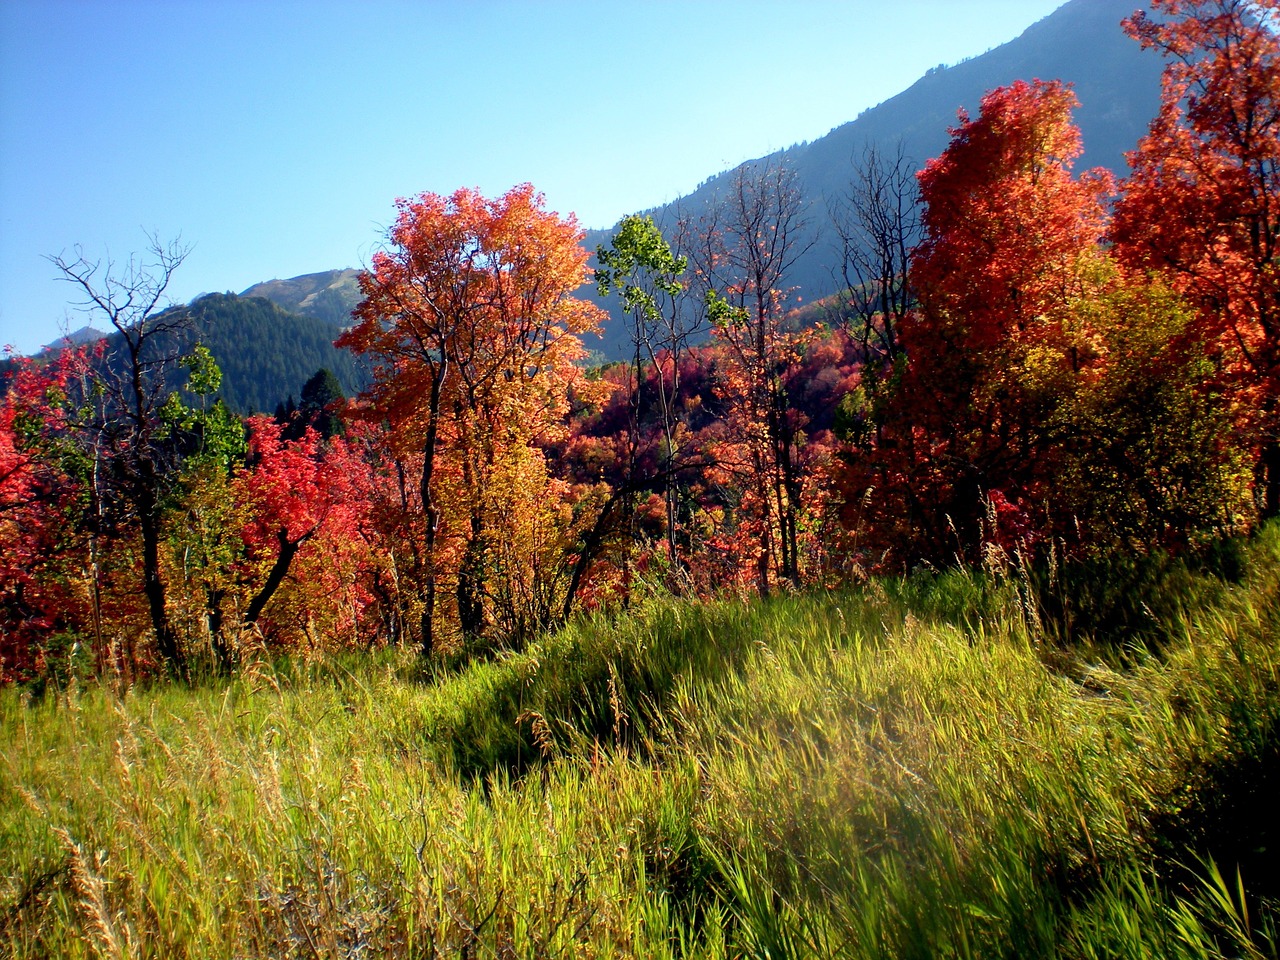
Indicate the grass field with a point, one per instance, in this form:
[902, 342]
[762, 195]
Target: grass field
[961, 765]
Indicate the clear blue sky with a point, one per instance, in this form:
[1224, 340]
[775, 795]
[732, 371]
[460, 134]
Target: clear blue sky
[275, 136]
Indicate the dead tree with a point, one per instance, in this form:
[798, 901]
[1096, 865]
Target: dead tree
[877, 221]
[131, 462]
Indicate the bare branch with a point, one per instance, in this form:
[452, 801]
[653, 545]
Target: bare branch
[878, 223]
[128, 390]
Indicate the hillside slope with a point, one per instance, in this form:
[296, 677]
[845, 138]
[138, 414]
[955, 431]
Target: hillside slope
[267, 353]
[330, 295]
[1082, 43]
[909, 769]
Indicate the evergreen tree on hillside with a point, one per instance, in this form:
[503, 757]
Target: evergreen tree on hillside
[322, 397]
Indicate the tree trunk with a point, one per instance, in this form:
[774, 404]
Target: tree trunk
[217, 634]
[154, 590]
[430, 509]
[279, 569]
[1270, 462]
[471, 578]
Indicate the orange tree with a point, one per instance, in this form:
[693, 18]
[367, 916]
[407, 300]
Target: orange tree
[470, 319]
[1201, 207]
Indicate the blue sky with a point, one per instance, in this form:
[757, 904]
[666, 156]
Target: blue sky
[274, 136]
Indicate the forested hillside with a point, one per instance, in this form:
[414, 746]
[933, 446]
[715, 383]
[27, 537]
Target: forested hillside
[1115, 82]
[267, 353]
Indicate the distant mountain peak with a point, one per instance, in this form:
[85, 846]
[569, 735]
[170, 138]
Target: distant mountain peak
[76, 338]
[330, 295]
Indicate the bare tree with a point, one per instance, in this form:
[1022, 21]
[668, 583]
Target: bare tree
[750, 239]
[877, 221]
[130, 462]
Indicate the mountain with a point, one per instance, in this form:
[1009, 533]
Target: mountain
[1117, 83]
[328, 296]
[76, 338]
[266, 352]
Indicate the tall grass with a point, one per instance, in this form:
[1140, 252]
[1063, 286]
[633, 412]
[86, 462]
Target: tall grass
[916, 768]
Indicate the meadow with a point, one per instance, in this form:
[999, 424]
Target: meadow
[1001, 763]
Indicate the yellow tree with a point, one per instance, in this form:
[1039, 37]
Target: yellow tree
[470, 318]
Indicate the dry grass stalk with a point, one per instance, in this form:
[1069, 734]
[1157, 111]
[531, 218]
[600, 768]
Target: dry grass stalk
[91, 902]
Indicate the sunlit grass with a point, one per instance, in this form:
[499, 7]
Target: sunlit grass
[912, 769]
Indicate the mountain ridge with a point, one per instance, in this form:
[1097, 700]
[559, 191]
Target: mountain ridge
[328, 295]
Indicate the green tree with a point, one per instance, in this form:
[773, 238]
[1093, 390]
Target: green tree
[204, 516]
[640, 266]
[322, 399]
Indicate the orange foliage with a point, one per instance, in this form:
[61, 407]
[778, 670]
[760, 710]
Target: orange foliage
[1201, 206]
[470, 318]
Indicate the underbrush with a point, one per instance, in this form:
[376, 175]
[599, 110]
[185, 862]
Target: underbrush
[941, 766]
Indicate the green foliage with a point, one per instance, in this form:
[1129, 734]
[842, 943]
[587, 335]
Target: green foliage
[210, 433]
[1152, 455]
[637, 262]
[722, 314]
[203, 374]
[321, 390]
[853, 418]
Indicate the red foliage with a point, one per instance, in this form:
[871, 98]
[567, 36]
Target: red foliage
[1005, 225]
[1201, 206]
[1202, 203]
[1008, 229]
[722, 520]
[311, 495]
[38, 514]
